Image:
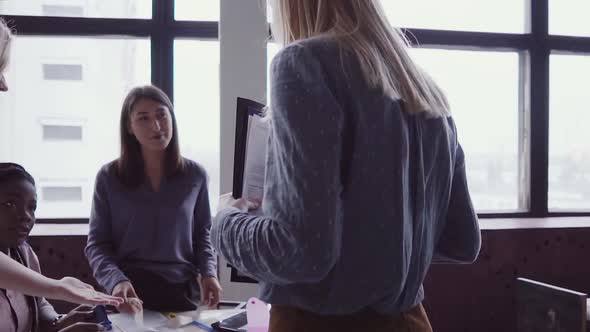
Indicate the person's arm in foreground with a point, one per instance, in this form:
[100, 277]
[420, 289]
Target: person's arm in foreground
[17, 277]
[460, 240]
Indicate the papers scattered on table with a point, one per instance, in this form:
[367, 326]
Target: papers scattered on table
[150, 322]
[157, 322]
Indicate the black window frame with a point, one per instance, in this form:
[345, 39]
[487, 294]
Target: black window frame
[534, 47]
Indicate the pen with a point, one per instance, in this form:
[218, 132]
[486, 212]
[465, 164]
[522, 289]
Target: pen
[203, 326]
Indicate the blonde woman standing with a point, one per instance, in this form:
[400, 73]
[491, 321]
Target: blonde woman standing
[365, 181]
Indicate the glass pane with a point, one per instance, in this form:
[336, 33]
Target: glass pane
[271, 50]
[196, 99]
[79, 8]
[569, 17]
[196, 10]
[569, 150]
[468, 15]
[88, 103]
[482, 88]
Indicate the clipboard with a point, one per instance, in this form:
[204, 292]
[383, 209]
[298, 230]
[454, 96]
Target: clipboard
[245, 109]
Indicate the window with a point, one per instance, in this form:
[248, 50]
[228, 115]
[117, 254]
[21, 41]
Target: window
[489, 16]
[468, 78]
[482, 89]
[78, 8]
[569, 17]
[61, 194]
[196, 10]
[62, 10]
[197, 106]
[519, 100]
[271, 51]
[62, 133]
[112, 67]
[59, 72]
[68, 78]
[569, 138]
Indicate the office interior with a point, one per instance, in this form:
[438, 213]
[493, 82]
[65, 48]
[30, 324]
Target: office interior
[515, 73]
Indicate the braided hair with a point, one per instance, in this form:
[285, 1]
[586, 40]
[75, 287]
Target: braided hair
[12, 172]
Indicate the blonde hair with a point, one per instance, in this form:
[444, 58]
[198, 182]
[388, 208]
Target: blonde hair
[5, 38]
[362, 26]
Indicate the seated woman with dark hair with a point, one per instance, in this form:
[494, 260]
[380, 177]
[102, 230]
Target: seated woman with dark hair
[149, 238]
[18, 312]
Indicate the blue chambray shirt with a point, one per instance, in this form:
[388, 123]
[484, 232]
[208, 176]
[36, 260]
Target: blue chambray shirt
[165, 232]
[360, 196]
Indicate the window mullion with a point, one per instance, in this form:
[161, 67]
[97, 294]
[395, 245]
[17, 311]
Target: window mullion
[162, 41]
[538, 79]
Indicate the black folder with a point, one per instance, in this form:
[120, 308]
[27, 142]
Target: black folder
[245, 109]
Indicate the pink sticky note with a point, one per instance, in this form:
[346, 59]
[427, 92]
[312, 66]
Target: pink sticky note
[258, 315]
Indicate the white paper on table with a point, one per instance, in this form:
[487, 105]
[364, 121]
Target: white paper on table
[211, 316]
[255, 161]
[156, 322]
[127, 323]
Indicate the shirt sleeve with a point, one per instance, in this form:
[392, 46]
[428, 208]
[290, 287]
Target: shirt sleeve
[460, 240]
[100, 247]
[203, 249]
[298, 238]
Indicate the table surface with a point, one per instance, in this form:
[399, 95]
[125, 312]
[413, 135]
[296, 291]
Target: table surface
[126, 323]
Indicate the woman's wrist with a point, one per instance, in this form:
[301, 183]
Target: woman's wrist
[54, 289]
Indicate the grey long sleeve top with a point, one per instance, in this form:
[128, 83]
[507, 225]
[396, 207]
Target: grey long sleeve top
[360, 196]
[167, 232]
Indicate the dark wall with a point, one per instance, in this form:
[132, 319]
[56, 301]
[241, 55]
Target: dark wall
[478, 297]
[63, 256]
[481, 297]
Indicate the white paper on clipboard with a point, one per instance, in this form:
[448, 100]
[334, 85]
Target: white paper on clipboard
[255, 160]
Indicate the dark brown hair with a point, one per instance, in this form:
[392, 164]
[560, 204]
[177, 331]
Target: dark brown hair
[130, 165]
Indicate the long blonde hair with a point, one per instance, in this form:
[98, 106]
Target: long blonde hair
[5, 38]
[382, 50]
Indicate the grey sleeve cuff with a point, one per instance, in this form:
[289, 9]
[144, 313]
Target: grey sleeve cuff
[46, 311]
[113, 281]
[217, 226]
[210, 270]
